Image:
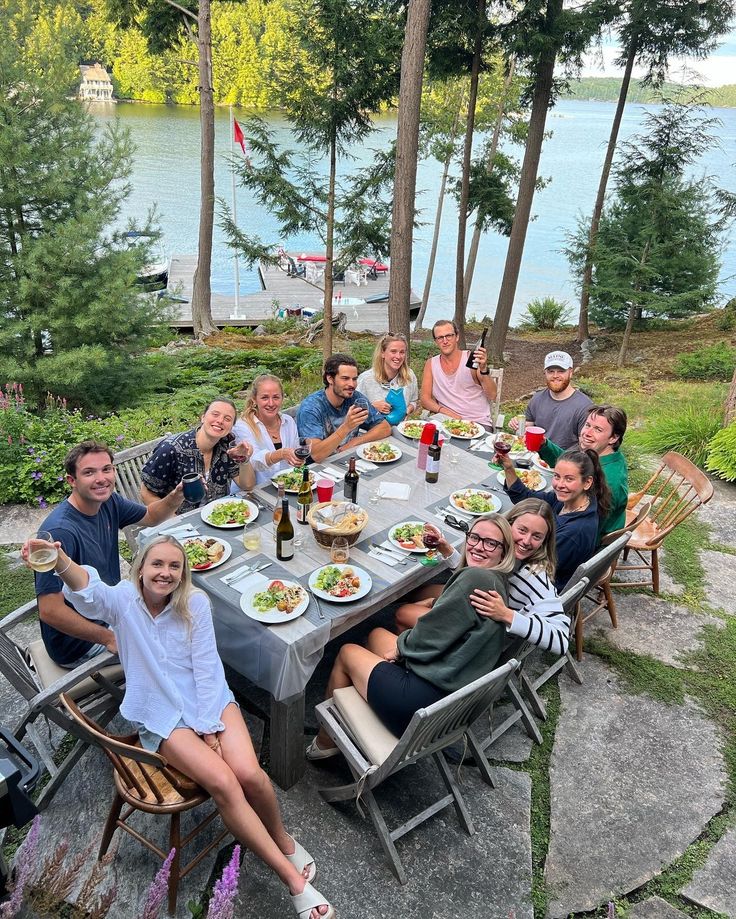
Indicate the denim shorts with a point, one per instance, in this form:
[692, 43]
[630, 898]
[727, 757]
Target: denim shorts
[151, 741]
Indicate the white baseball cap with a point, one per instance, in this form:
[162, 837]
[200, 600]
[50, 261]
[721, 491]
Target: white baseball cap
[558, 359]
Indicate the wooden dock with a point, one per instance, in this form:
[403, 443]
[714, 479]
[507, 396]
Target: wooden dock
[280, 290]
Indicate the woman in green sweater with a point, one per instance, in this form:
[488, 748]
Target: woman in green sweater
[449, 647]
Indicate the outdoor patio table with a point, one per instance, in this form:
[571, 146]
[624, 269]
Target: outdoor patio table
[281, 659]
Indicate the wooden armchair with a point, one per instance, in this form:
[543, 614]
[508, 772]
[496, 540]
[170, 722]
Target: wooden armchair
[675, 490]
[145, 782]
[128, 468]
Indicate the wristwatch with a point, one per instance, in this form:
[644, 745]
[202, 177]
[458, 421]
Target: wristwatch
[485, 373]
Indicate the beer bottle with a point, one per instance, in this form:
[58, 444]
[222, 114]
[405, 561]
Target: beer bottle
[471, 354]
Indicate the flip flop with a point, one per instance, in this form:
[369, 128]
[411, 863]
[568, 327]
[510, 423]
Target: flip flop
[308, 900]
[300, 859]
[313, 752]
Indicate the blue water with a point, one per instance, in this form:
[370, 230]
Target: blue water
[166, 173]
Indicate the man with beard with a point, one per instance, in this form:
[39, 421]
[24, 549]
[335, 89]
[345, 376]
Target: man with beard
[560, 408]
[331, 417]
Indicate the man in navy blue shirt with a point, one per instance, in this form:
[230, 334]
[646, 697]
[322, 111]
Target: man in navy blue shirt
[87, 525]
[331, 417]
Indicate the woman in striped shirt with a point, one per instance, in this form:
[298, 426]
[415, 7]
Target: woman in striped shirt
[534, 611]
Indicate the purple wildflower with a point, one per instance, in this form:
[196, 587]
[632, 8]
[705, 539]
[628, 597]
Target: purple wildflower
[158, 890]
[222, 903]
[37, 459]
[120, 437]
[25, 859]
[41, 501]
[36, 475]
[611, 910]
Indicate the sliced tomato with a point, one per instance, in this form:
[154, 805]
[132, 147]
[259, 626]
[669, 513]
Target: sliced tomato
[407, 544]
[276, 585]
[202, 566]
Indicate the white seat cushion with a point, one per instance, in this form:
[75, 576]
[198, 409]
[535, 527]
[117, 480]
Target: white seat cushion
[48, 672]
[375, 740]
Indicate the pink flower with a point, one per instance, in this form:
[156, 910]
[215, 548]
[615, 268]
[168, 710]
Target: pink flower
[158, 890]
[25, 860]
[222, 904]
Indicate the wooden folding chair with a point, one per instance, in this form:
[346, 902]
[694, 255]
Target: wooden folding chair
[373, 753]
[145, 782]
[96, 685]
[675, 490]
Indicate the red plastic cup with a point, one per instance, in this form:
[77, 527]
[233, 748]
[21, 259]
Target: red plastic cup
[325, 487]
[534, 437]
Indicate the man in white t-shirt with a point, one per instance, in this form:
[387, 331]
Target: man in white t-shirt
[560, 408]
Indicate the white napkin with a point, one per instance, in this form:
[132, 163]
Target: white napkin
[397, 491]
[384, 557]
[183, 531]
[249, 581]
[333, 473]
[365, 466]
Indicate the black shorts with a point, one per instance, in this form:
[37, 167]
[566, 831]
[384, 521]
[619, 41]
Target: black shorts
[395, 693]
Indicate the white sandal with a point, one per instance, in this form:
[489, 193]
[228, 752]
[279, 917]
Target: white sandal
[308, 900]
[300, 859]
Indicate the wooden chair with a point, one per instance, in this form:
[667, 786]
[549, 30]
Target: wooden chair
[569, 599]
[675, 490]
[373, 753]
[144, 782]
[599, 595]
[128, 468]
[95, 685]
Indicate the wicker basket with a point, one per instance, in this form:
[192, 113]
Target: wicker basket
[324, 537]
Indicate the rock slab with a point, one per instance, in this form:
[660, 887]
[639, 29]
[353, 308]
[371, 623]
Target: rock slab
[714, 885]
[720, 575]
[632, 783]
[655, 908]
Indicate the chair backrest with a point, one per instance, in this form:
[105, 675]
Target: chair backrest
[574, 591]
[128, 467]
[677, 488]
[630, 526]
[437, 725]
[596, 568]
[497, 375]
[14, 666]
[143, 774]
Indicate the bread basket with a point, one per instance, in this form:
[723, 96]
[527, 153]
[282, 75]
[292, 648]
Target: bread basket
[350, 527]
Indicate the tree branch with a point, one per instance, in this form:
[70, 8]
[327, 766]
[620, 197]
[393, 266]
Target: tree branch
[182, 9]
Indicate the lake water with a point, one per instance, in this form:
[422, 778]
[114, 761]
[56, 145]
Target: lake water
[166, 173]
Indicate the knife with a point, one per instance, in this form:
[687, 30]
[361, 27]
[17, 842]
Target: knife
[402, 558]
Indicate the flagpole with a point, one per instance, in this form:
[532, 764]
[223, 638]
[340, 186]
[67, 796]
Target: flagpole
[235, 220]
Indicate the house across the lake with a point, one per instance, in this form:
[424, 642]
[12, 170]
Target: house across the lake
[96, 85]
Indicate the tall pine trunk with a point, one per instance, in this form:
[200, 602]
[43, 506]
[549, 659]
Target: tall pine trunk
[330, 253]
[583, 329]
[407, 148]
[635, 310]
[201, 293]
[462, 223]
[435, 244]
[529, 169]
[729, 414]
[475, 241]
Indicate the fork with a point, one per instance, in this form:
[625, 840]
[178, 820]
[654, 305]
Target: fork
[257, 501]
[316, 600]
[238, 573]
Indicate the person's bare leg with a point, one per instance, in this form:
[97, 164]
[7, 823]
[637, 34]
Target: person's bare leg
[383, 644]
[187, 752]
[352, 667]
[408, 614]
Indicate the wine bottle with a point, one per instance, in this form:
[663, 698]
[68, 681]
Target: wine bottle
[350, 485]
[302, 451]
[424, 441]
[277, 507]
[304, 498]
[285, 535]
[433, 459]
[471, 354]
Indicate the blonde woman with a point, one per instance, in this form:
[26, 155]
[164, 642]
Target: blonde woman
[390, 384]
[271, 433]
[177, 696]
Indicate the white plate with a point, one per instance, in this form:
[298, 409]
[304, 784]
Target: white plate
[400, 429]
[223, 558]
[502, 479]
[365, 584]
[208, 508]
[491, 441]
[272, 617]
[545, 469]
[294, 491]
[476, 491]
[396, 543]
[478, 429]
[363, 447]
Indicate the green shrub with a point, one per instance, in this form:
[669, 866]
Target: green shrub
[689, 431]
[722, 454]
[726, 318]
[545, 314]
[715, 362]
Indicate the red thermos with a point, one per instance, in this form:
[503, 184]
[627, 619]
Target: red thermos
[424, 441]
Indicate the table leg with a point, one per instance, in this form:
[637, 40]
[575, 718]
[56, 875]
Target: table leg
[288, 763]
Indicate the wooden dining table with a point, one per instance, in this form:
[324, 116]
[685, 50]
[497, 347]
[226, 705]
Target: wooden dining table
[282, 658]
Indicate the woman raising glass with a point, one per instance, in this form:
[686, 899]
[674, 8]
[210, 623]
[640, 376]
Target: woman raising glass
[390, 384]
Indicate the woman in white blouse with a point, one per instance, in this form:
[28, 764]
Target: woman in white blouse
[177, 696]
[272, 434]
[390, 385]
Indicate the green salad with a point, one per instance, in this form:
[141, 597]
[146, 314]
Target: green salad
[462, 428]
[278, 596]
[292, 479]
[337, 582]
[413, 428]
[229, 512]
[477, 502]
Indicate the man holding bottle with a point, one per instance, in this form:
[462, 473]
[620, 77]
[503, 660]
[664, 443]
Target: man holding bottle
[330, 418]
[458, 383]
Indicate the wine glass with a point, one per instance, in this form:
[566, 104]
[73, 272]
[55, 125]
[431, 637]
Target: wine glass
[339, 550]
[252, 539]
[42, 557]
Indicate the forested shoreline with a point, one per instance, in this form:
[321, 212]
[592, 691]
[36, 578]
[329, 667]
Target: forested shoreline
[606, 89]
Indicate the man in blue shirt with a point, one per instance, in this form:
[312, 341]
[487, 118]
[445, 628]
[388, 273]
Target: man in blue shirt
[331, 417]
[87, 524]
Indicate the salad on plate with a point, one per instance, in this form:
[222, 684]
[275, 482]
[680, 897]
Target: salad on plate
[281, 596]
[229, 512]
[292, 479]
[408, 536]
[475, 501]
[465, 430]
[340, 582]
[379, 452]
[205, 553]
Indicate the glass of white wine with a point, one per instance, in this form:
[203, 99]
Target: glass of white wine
[42, 557]
[339, 551]
[252, 539]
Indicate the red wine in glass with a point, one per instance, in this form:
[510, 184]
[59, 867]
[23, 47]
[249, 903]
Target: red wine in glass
[430, 540]
[503, 449]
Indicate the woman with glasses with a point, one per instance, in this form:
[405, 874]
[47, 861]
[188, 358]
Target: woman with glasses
[452, 388]
[390, 384]
[532, 610]
[449, 647]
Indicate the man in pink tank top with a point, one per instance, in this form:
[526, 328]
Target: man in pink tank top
[453, 389]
